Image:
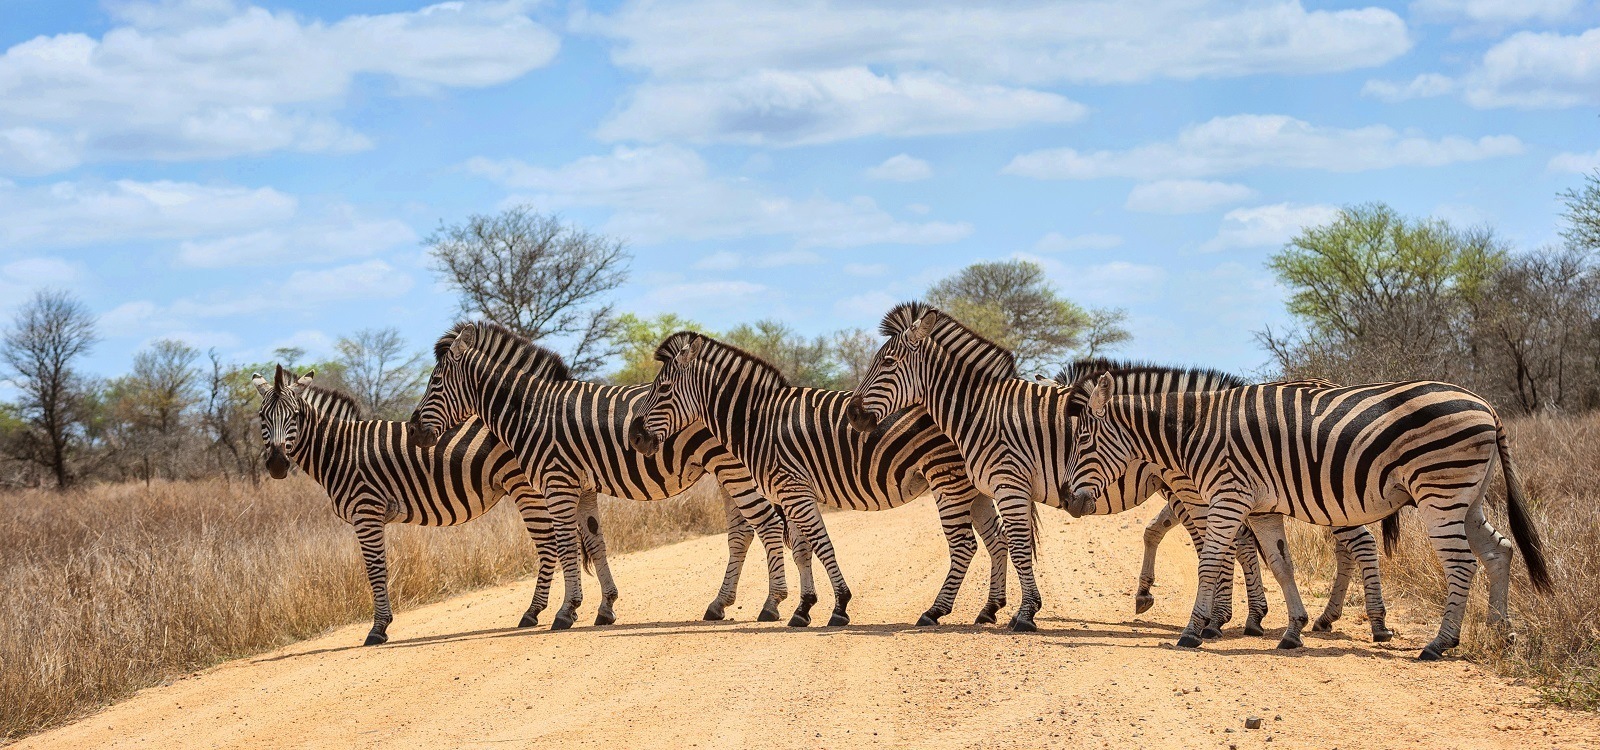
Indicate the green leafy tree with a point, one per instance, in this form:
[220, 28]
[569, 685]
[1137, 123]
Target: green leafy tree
[636, 340]
[1012, 303]
[804, 361]
[1583, 214]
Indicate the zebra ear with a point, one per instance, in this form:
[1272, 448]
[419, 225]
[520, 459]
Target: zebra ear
[1101, 394]
[261, 384]
[466, 339]
[692, 351]
[919, 329]
[300, 385]
[280, 378]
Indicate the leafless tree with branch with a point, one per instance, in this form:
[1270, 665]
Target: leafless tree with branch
[52, 331]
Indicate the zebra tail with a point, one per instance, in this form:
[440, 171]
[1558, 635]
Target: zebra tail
[586, 558]
[1391, 533]
[1522, 528]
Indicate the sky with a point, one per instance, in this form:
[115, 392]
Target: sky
[251, 176]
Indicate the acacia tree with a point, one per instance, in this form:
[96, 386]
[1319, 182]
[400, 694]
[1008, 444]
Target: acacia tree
[538, 276]
[1583, 214]
[804, 361]
[1013, 304]
[376, 369]
[51, 332]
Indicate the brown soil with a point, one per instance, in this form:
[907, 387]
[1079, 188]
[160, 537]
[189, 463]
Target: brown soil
[456, 675]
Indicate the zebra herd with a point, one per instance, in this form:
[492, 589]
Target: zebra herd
[939, 409]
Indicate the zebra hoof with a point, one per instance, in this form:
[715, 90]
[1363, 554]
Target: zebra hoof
[838, 619]
[986, 617]
[605, 618]
[562, 622]
[528, 620]
[1429, 654]
[376, 639]
[770, 614]
[1142, 603]
[927, 620]
[1382, 635]
[1021, 625]
[799, 620]
[1253, 628]
[1210, 634]
[714, 612]
[1189, 640]
[1321, 626]
[1290, 642]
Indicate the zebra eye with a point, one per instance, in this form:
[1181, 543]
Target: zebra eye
[663, 387]
[890, 360]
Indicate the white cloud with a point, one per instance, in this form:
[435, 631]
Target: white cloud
[1026, 42]
[783, 108]
[1055, 242]
[341, 233]
[666, 192]
[37, 272]
[1266, 225]
[727, 261]
[1185, 196]
[78, 213]
[705, 293]
[1571, 162]
[1531, 70]
[1494, 11]
[901, 168]
[1225, 145]
[188, 80]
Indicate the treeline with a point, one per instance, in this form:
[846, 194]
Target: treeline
[1381, 296]
[182, 414]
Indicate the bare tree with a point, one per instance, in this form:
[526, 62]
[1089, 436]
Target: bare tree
[51, 332]
[1105, 332]
[854, 349]
[538, 276]
[1583, 214]
[229, 418]
[383, 378]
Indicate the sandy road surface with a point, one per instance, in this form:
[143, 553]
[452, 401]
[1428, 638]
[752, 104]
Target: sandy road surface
[1096, 675]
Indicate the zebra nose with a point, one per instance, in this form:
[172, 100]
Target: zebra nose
[861, 419]
[1080, 503]
[419, 436]
[277, 463]
[640, 439]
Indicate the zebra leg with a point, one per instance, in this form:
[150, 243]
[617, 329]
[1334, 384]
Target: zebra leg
[1223, 518]
[739, 537]
[1364, 551]
[802, 564]
[1248, 552]
[1275, 546]
[594, 549]
[1494, 551]
[1222, 606]
[1447, 532]
[955, 518]
[987, 525]
[563, 505]
[369, 536]
[742, 497]
[1153, 534]
[1017, 510]
[1344, 566]
[536, 519]
[809, 518]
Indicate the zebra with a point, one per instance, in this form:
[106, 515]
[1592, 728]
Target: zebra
[1012, 432]
[1354, 546]
[796, 445]
[573, 435]
[1328, 456]
[374, 479]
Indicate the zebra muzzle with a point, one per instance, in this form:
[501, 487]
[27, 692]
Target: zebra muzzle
[277, 463]
[640, 439]
[1080, 503]
[859, 417]
[419, 436]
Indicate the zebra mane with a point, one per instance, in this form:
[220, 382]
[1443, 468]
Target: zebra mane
[507, 348]
[1080, 374]
[986, 356]
[901, 316]
[332, 403]
[677, 342]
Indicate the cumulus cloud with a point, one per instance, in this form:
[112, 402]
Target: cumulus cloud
[668, 192]
[1185, 196]
[1495, 12]
[1225, 145]
[78, 213]
[1055, 242]
[1571, 162]
[207, 79]
[1266, 225]
[339, 233]
[901, 168]
[1530, 70]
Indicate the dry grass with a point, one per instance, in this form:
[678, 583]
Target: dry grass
[115, 588]
[1557, 642]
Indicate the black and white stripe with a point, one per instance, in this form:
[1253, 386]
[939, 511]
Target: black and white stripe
[796, 444]
[1327, 456]
[572, 438]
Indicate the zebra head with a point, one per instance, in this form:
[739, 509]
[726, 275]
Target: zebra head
[895, 379]
[673, 402]
[281, 407]
[444, 404]
[1104, 451]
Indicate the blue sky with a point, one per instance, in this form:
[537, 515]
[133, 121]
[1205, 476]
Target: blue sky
[249, 176]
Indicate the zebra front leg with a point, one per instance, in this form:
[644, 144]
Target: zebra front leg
[369, 536]
[955, 518]
[1153, 534]
[1016, 508]
[801, 551]
[1344, 569]
[541, 528]
[563, 505]
[987, 525]
[739, 537]
[594, 553]
[1248, 552]
[1223, 518]
[809, 519]
[1275, 546]
[742, 498]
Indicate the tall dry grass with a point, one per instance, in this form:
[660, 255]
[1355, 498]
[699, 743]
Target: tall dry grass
[115, 588]
[1557, 643]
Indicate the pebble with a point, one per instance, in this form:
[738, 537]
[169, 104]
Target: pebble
[1252, 722]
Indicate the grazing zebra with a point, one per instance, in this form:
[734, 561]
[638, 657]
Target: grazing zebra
[796, 445]
[1354, 546]
[573, 435]
[1013, 433]
[374, 479]
[1328, 456]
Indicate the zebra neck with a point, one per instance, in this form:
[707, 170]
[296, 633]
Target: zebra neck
[738, 422]
[317, 445]
[1175, 421]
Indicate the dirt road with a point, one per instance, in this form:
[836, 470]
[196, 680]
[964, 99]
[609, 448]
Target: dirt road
[455, 674]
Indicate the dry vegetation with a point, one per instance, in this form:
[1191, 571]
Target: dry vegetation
[117, 587]
[1557, 644]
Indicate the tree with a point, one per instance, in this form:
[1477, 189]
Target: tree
[50, 333]
[805, 362]
[537, 276]
[377, 371]
[1105, 331]
[637, 339]
[853, 350]
[1012, 303]
[145, 411]
[1382, 296]
[1535, 346]
[1583, 214]
[228, 417]
[288, 356]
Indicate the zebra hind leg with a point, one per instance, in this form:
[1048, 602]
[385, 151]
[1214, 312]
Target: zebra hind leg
[810, 522]
[955, 519]
[987, 525]
[1449, 532]
[1153, 534]
[594, 552]
[801, 551]
[1494, 552]
[1269, 529]
[1344, 569]
[1249, 554]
